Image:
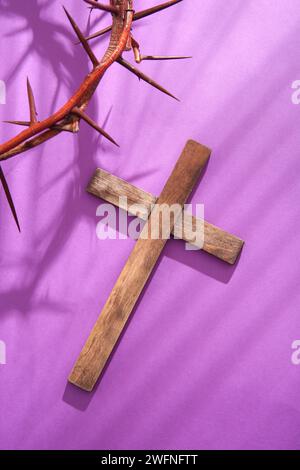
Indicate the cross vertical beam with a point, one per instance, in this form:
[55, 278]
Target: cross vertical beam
[137, 270]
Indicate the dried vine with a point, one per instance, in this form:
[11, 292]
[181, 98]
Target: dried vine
[68, 117]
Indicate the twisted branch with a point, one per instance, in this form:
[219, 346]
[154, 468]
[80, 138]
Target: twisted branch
[68, 117]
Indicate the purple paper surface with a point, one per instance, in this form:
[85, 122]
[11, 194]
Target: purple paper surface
[205, 362]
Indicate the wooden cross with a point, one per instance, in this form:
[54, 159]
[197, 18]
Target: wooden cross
[145, 254]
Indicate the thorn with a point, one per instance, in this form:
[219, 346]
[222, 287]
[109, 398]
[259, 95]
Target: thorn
[98, 33]
[144, 77]
[9, 198]
[150, 11]
[72, 127]
[82, 39]
[137, 16]
[136, 50]
[93, 124]
[101, 6]
[19, 123]
[31, 101]
[163, 57]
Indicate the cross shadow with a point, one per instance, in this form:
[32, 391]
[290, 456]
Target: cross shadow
[81, 399]
[174, 249]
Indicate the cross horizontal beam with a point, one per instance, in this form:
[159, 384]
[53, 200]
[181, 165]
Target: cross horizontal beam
[126, 196]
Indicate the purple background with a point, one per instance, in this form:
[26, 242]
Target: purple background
[206, 360]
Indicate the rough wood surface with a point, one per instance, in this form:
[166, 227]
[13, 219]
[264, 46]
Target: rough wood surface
[139, 203]
[136, 272]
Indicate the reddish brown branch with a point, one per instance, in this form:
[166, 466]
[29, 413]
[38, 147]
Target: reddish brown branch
[67, 118]
[100, 6]
[138, 16]
[118, 43]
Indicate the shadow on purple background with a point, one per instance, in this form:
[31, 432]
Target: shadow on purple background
[206, 360]
[69, 69]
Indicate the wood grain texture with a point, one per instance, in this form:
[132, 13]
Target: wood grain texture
[139, 203]
[136, 272]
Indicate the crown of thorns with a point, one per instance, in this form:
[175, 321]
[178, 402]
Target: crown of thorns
[68, 117]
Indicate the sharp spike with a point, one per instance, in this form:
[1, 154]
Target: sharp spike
[19, 123]
[98, 34]
[162, 57]
[93, 124]
[31, 101]
[136, 50]
[150, 11]
[9, 198]
[101, 6]
[144, 77]
[82, 39]
[137, 16]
